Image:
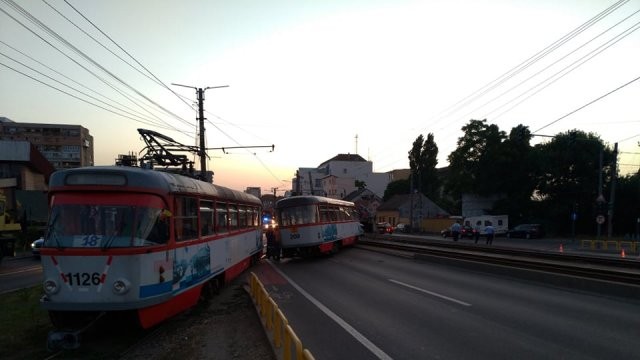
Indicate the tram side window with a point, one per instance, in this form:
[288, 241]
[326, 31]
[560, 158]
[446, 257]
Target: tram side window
[186, 218]
[233, 217]
[206, 217]
[255, 217]
[222, 218]
[242, 216]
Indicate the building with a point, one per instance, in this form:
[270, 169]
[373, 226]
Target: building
[24, 179]
[416, 210]
[255, 191]
[337, 177]
[65, 146]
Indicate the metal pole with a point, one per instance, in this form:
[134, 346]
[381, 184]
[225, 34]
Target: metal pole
[614, 175]
[600, 197]
[202, 154]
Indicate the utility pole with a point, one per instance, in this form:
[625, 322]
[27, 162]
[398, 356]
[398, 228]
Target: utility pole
[202, 152]
[614, 175]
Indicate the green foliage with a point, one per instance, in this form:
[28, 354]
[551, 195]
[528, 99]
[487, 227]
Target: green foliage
[423, 159]
[477, 159]
[545, 183]
[397, 187]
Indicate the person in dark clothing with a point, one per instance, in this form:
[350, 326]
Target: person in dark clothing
[273, 245]
[476, 234]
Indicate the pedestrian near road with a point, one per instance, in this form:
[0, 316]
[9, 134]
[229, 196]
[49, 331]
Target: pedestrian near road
[455, 230]
[476, 233]
[489, 231]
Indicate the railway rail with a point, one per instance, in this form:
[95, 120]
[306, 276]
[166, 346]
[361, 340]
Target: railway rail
[601, 274]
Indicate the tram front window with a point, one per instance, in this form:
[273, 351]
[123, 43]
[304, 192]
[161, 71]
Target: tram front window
[106, 226]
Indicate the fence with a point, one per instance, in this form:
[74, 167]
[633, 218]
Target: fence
[276, 324]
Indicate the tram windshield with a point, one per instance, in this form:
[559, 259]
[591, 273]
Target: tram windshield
[106, 226]
[298, 215]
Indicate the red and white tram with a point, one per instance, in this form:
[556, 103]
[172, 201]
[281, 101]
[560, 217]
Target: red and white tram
[141, 241]
[310, 225]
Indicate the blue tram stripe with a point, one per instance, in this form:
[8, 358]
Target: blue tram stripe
[155, 289]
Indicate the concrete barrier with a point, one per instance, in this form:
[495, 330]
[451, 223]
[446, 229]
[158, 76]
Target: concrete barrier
[284, 340]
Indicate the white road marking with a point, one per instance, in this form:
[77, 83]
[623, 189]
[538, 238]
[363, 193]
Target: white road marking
[430, 293]
[357, 335]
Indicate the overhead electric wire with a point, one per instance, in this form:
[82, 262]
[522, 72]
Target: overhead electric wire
[79, 64]
[568, 69]
[546, 68]
[55, 35]
[70, 79]
[101, 44]
[589, 103]
[67, 93]
[254, 154]
[530, 61]
[142, 120]
[126, 52]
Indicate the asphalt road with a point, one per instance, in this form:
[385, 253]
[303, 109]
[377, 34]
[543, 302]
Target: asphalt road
[17, 273]
[360, 304]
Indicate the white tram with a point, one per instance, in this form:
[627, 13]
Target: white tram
[146, 242]
[310, 225]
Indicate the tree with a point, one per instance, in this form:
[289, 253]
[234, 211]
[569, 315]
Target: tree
[397, 187]
[568, 177]
[515, 164]
[423, 159]
[473, 165]
[627, 205]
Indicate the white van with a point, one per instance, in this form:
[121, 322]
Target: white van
[500, 223]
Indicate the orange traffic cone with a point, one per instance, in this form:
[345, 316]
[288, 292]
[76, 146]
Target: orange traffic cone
[561, 248]
[622, 254]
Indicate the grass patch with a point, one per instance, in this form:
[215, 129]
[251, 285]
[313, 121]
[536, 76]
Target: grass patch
[23, 324]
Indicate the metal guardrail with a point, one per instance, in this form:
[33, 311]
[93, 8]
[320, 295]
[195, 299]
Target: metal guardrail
[276, 324]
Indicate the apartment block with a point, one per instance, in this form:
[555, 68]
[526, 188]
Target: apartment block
[64, 146]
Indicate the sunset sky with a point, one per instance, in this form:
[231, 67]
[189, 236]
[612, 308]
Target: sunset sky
[320, 78]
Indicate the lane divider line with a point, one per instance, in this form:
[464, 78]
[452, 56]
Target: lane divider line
[459, 302]
[333, 316]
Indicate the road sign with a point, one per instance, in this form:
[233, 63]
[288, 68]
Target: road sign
[600, 219]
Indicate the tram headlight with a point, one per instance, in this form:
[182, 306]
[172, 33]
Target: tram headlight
[50, 286]
[121, 286]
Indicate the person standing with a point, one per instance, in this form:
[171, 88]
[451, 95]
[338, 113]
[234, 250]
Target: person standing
[455, 230]
[476, 233]
[489, 230]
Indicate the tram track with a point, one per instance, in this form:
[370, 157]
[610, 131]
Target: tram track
[600, 274]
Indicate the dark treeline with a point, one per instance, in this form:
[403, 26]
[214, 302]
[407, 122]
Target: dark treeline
[553, 182]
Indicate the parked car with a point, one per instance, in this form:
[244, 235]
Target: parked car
[385, 228]
[35, 247]
[403, 228]
[465, 231]
[526, 231]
